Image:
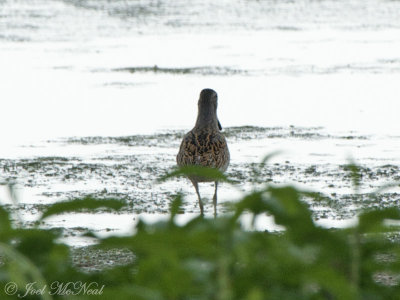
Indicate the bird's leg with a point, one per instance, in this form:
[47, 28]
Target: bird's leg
[196, 186]
[215, 199]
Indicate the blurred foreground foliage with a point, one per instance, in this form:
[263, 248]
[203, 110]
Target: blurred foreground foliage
[215, 258]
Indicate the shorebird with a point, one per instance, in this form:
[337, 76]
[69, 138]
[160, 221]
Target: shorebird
[205, 145]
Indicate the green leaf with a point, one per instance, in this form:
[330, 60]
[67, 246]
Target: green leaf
[253, 203]
[355, 173]
[256, 169]
[176, 206]
[372, 221]
[287, 208]
[281, 202]
[21, 270]
[268, 157]
[79, 204]
[5, 223]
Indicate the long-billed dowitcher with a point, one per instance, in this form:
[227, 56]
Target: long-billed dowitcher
[204, 145]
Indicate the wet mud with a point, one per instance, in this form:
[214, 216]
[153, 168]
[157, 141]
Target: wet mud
[131, 168]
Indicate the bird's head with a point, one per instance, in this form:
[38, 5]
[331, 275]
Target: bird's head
[208, 103]
[208, 98]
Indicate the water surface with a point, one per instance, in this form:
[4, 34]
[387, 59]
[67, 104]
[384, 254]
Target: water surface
[97, 94]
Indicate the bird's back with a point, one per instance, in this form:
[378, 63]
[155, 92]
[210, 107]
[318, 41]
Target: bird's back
[204, 147]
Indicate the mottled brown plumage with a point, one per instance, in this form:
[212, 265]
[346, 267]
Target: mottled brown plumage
[204, 145]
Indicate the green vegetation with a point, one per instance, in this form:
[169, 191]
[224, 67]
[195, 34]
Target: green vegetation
[213, 258]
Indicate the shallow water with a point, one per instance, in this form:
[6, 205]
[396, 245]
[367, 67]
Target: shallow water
[97, 94]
